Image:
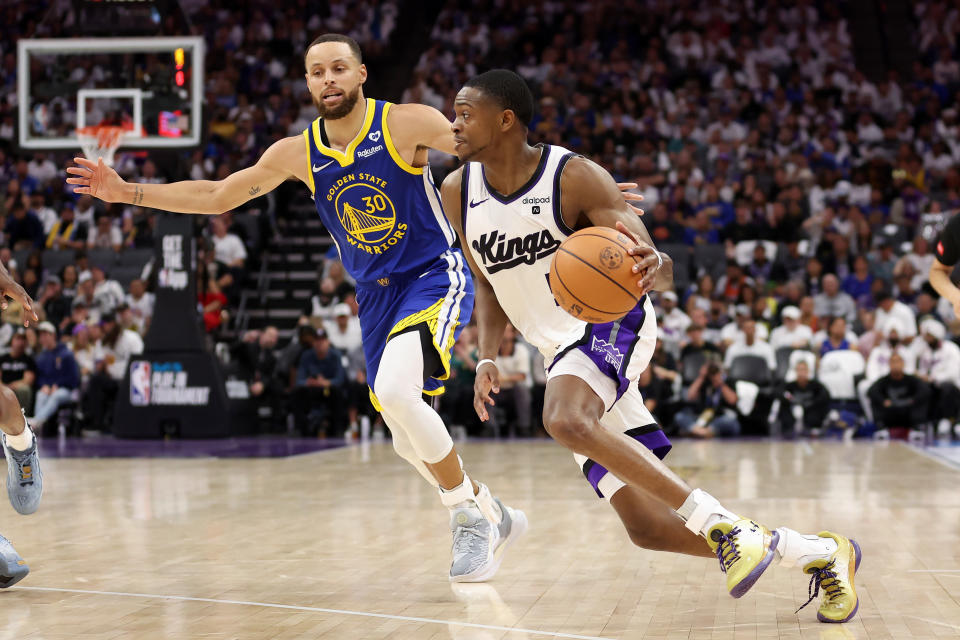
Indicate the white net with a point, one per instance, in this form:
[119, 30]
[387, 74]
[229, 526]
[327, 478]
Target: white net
[101, 141]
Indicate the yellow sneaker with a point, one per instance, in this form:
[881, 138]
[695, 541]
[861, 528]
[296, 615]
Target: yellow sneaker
[835, 578]
[745, 549]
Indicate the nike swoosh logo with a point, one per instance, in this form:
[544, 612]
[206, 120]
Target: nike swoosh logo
[321, 167]
[477, 204]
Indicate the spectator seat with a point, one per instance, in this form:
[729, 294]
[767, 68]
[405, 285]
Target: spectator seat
[748, 368]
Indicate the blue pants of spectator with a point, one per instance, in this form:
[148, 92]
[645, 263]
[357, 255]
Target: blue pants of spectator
[48, 403]
[722, 425]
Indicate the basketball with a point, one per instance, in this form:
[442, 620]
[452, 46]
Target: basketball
[591, 275]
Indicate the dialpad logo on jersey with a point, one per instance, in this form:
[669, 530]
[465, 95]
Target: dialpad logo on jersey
[611, 354]
[498, 253]
[366, 212]
[536, 202]
[163, 383]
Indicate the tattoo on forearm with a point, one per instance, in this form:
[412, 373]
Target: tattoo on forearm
[137, 195]
[254, 190]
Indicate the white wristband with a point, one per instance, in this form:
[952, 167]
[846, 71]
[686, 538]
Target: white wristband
[659, 258]
[485, 360]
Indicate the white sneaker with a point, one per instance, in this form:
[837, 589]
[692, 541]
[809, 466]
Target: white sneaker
[474, 541]
[478, 548]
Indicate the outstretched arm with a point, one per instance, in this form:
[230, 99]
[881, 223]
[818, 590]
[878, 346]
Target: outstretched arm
[284, 159]
[590, 197]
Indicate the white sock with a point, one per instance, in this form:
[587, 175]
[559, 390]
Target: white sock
[797, 550]
[700, 511]
[460, 496]
[21, 442]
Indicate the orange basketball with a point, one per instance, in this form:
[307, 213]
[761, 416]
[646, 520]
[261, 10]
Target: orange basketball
[591, 275]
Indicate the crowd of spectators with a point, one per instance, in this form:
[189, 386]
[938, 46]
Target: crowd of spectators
[758, 146]
[753, 137]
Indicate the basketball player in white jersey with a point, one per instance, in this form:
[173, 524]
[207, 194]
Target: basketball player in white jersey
[24, 480]
[512, 205]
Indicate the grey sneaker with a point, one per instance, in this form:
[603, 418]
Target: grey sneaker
[513, 524]
[473, 543]
[13, 569]
[24, 479]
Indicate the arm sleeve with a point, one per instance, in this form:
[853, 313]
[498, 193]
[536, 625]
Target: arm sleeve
[947, 250]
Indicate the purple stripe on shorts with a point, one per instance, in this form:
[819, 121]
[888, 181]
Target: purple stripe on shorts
[594, 476]
[656, 441]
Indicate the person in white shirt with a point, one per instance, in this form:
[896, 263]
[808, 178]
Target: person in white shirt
[733, 331]
[107, 293]
[791, 333]
[751, 345]
[228, 251]
[889, 308]
[105, 235]
[344, 329]
[514, 362]
[672, 323]
[228, 248]
[112, 354]
[41, 168]
[141, 304]
[47, 216]
[921, 259]
[939, 365]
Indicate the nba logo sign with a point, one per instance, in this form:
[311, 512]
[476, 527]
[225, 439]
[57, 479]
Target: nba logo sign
[139, 383]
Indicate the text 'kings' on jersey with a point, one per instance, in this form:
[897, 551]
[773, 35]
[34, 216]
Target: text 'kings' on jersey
[513, 239]
[384, 215]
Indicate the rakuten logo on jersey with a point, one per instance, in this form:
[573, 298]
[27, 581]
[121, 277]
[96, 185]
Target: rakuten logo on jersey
[366, 153]
[499, 253]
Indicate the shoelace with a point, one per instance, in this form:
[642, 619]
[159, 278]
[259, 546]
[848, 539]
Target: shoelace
[466, 539]
[24, 470]
[825, 578]
[727, 550]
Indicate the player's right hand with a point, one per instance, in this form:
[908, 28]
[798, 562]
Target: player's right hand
[10, 289]
[96, 179]
[488, 379]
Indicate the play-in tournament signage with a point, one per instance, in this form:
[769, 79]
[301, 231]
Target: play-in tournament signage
[175, 387]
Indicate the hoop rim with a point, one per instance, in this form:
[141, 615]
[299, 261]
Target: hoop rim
[107, 135]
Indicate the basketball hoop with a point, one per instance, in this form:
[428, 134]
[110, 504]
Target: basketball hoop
[101, 141]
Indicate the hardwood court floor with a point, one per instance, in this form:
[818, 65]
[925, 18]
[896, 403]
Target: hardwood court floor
[351, 543]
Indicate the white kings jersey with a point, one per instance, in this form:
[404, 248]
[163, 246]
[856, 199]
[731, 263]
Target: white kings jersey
[513, 241]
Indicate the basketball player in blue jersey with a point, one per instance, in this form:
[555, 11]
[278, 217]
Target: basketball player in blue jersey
[365, 161]
[592, 404]
[24, 480]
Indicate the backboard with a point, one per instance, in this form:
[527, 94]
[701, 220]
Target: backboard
[154, 84]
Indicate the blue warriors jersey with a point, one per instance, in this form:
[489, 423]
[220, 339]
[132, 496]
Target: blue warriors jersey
[370, 200]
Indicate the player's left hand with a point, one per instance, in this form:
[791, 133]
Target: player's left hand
[631, 197]
[648, 265]
[10, 289]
